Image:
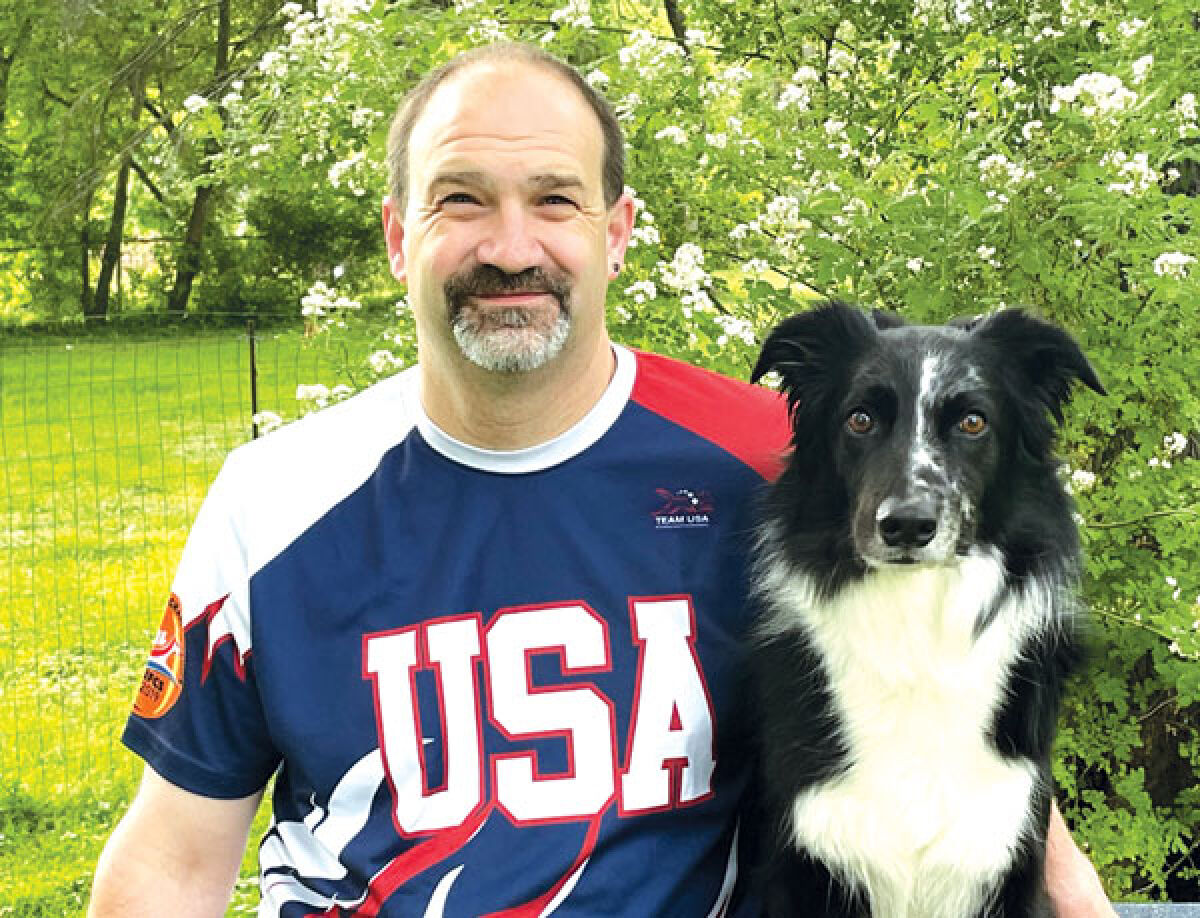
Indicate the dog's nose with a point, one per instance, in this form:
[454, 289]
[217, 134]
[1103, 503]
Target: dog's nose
[910, 523]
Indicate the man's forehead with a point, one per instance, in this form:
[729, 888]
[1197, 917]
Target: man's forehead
[506, 104]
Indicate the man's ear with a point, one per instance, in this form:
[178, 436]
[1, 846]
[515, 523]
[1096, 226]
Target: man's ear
[393, 233]
[620, 227]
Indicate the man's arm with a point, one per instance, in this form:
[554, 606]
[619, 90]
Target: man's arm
[174, 853]
[1071, 880]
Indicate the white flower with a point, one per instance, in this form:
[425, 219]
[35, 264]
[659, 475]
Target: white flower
[340, 171]
[720, 140]
[1141, 67]
[487, 32]
[1173, 264]
[1187, 105]
[997, 169]
[266, 421]
[1175, 443]
[576, 13]
[597, 79]
[647, 54]
[644, 235]
[339, 11]
[641, 291]
[1082, 480]
[317, 393]
[794, 96]
[915, 264]
[1136, 171]
[626, 106]
[384, 361]
[674, 133]
[321, 300]
[1130, 28]
[195, 104]
[259, 148]
[840, 61]
[273, 63]
[1029, 129]
[685, 272]
[735, 328]
[1099, 94]
[694, 37]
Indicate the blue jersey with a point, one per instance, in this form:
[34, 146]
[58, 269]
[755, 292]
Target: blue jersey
[487, 683]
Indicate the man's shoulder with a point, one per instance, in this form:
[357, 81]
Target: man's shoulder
[750, 422]
[372, 418]
[274, 488]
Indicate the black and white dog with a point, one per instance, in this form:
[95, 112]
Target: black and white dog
[917, 576]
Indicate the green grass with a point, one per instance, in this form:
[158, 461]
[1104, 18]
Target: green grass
[107, 447]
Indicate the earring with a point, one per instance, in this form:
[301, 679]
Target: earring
[616, 267]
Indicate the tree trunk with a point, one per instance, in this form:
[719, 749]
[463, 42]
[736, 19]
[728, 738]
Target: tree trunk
[8, 56]
[191, 252]
[112, 243]
[85, 256]
[111, 258]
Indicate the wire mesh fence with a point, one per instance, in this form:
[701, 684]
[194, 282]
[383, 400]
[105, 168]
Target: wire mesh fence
[108, 443]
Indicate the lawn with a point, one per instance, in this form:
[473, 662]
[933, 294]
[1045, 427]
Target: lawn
[108, 444]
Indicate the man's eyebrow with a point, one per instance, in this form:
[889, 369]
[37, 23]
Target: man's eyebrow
[468, 177]
[546, 181]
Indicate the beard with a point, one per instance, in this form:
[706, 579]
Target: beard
[507, 340]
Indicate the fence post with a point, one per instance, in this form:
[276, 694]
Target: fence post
[253, 382]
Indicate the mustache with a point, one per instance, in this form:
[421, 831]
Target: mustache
[488, 280]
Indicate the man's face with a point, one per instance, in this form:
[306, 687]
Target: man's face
[505, 242]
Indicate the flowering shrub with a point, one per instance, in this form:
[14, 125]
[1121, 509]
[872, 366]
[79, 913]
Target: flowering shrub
[940, 159]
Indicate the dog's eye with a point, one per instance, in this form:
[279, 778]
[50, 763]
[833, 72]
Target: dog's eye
[973, 424]
[860, 422]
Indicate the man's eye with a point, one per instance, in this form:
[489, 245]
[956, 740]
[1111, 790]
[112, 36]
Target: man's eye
[457, 197]
[557, 200]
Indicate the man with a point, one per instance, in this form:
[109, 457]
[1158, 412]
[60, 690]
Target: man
[488, 645]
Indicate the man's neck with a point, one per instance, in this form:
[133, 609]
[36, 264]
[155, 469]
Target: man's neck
[507, 411]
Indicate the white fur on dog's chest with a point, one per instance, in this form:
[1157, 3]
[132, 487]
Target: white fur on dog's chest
[928, 811]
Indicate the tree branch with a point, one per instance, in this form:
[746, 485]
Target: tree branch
[149, 183]
[678, 26]
[1142, 520]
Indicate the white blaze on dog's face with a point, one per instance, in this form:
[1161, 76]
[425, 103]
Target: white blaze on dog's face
[918, 445]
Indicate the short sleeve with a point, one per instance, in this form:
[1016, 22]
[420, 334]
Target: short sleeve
[198, 719]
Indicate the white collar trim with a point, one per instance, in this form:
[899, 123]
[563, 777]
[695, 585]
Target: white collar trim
[565, 446]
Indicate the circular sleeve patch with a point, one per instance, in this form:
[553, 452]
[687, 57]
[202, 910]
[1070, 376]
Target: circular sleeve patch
[162, 683]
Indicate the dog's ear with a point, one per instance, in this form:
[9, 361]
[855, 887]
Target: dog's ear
[812, 348]
[1047, 357]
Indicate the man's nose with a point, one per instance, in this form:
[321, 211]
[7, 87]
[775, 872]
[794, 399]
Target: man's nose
[510, 241]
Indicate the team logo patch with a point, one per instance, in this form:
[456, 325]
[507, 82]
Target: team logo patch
[162, 683]
[683, 508]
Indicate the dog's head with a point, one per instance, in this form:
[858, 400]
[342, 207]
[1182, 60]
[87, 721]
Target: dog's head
[921, 424]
